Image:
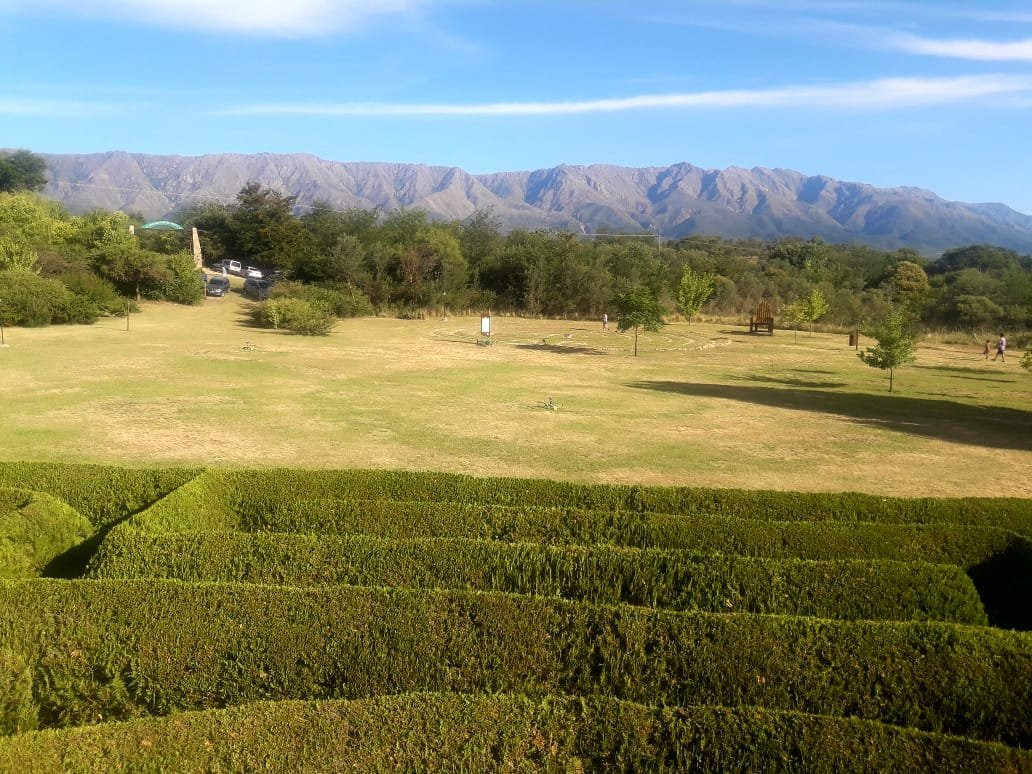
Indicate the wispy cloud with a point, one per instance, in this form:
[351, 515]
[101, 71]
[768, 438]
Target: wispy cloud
[279, 18]
[981, 50]
[876, 94]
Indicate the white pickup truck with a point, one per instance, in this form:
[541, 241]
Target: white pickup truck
[227, 266]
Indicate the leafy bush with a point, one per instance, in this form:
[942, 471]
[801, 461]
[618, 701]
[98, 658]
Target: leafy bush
[34, 529]
[33, 301]
[100, 292]
[340, 300]
[457, 732]
[296, 315]
[103, 494]
[17, 709]
[606, 574]
[285, 490]
[115, 649]
[181, 284]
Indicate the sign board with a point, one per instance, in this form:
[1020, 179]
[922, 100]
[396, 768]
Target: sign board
[485, 325]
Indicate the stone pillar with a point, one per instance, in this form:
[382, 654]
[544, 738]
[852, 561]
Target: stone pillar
[198, 258]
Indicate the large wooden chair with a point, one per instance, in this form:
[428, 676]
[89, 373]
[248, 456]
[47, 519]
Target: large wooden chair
[762, 319]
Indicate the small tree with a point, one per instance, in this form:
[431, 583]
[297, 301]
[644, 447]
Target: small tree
[693, 291]
[638, 308]
[896, 343]
[1026, 360]
[809, 309]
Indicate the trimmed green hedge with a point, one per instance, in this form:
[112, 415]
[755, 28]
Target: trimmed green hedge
[845, 589]
[36, 529]
[459, 732]
[103, 494]
[204, 505]
[287, 486]
[104, 650]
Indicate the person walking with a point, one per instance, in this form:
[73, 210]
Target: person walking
[985, 352]
[1001, 349]
[605, 321]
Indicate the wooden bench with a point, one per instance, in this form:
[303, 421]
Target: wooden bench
[762, 319]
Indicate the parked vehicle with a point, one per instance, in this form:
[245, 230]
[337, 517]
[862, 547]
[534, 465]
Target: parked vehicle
[217, 285]
[237, 269]
[258, 289]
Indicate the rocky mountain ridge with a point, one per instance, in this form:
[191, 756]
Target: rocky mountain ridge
[674, 201]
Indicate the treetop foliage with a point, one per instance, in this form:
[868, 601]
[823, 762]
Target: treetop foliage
[22, 170]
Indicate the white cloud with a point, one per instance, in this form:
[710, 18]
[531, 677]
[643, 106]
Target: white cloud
[981, 50]
[281, 18]
[883, 93]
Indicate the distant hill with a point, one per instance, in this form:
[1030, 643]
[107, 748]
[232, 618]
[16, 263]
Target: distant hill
[672, 201]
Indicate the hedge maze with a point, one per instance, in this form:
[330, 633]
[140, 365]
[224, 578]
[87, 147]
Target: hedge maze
[322, 620]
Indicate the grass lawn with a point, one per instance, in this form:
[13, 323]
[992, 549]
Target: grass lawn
[706, 405]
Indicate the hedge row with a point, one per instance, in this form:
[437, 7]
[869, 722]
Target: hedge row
[103, 494]
[434, 732]
[117, 649]
[35, 529]
[844, 589]
[285, 486]
[204, 505]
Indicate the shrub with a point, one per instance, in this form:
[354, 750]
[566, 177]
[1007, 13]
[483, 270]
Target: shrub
[296, 315]
[115, 649]
[34, 530]
[17, 709]
[180, 283]
[283, 491]
[31, 300]
[457, 732]
[101, 293]
[892, 590]
[340, 300]
[103, 494]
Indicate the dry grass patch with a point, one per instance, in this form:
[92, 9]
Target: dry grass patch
[705, 405]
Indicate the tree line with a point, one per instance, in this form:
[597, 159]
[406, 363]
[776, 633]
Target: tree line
[406, 262]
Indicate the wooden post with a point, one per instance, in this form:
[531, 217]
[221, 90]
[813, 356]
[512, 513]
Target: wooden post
[127, 315]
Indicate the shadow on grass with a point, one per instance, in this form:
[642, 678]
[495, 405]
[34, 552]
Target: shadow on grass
[989, 426]
[967, 372]
[564, 350]
[793, 382]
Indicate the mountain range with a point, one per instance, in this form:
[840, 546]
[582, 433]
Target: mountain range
[674, 201]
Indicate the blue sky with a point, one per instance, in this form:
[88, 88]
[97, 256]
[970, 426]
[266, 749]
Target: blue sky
[933, 94]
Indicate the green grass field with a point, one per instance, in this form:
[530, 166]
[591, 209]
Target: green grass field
[706, 405]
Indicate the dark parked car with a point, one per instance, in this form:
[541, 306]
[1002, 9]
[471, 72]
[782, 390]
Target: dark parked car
[258, 289]
[216, 286]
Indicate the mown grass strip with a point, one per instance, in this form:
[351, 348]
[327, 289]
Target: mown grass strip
[844, 589]
[101, 650]
[462, 732]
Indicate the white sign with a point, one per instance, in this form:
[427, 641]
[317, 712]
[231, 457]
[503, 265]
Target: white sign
[485, 325]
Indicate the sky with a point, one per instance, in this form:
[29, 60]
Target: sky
[935, 94]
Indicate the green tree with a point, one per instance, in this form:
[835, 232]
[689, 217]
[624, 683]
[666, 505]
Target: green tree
[811, 308]
[638, 308]
[896, 343]
[264, 229]
[22, 170]
[694, 290]
[131, 269]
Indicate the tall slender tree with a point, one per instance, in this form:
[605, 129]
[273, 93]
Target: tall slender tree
[896, 343]
[638, 308]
